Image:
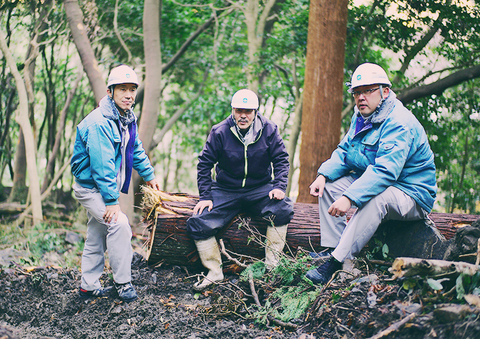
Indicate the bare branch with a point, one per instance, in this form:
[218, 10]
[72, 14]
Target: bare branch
[441, 85]
[158, 138]
[117, 33]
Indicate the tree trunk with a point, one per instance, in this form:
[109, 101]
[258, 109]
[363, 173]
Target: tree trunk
[80, 38]
[24, 122]
[152, 85]
[292, 142]
[256, 21]
[153, 72]
[19, 188]
[323, 89]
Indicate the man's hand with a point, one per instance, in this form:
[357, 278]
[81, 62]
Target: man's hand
[316, 188]
[154, 184]
[200, 206]
[276, 194]
[340, 207]
[111, 212]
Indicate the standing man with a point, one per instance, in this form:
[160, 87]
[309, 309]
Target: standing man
[384, 166]
[244, 148]
[106, 150]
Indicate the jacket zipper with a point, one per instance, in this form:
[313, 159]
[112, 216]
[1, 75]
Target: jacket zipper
[244, 181]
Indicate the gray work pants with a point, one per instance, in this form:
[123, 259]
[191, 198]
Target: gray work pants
[114, 237]
[349, 238]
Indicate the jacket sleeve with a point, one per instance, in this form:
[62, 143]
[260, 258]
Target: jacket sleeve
[279, 156]
[101, 150]
[206, 160]
[141, 162]
[394, 146]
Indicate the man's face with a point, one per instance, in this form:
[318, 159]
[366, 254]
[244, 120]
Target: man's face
[124, 95]
[243, 117]
[368, 97]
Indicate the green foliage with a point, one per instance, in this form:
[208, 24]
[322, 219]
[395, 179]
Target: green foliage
[293, 302]
[466, 284]
[287, 270]
[255, 270]
[291, 298]
[40, 241]
[435, 284]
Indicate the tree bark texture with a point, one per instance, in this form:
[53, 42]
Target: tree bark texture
[169, 242]
[80, 38]
[323, 90]
[24, 122]
[153, 72]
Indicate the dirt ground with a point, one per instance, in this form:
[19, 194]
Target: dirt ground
[44, 303]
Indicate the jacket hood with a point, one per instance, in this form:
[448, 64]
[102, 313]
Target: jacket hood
[381, 113]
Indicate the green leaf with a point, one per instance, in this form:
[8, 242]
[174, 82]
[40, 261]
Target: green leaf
[435, 284]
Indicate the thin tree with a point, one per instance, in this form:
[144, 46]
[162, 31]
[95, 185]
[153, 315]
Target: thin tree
[24, 122]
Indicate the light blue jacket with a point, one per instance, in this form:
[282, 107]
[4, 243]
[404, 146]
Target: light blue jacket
[97, 153]
[392, 150]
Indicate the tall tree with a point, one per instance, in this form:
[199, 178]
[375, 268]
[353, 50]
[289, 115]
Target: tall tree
[323, 91]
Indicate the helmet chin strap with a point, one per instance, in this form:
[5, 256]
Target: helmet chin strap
[124, 111]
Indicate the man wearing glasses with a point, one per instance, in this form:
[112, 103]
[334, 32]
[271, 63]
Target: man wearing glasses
[383, 166]
[243, 149]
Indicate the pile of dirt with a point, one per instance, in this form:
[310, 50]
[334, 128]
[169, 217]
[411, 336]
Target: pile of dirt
[44, 303]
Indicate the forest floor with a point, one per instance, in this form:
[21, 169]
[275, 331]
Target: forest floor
[43, 302]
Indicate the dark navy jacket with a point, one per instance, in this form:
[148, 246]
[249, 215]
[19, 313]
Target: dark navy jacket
[240, 165]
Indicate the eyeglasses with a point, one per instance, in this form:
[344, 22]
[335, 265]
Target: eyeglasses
[365, 92]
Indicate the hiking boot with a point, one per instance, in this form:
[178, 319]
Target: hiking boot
[323, 273]
[98, 293]
[126, 292]
[321, 255]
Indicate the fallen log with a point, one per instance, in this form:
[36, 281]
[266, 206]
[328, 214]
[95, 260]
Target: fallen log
[165, 216]
[409, 267]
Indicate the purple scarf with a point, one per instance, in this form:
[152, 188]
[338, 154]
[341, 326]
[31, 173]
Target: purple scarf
[132, 130]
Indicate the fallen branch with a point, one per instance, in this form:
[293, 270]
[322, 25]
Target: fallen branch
[478, 253]
[394, 327]
[252, 289]
[229, 257]
[407, 267]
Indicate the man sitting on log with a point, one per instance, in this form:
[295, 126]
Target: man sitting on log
[243, 149]
[384, 166]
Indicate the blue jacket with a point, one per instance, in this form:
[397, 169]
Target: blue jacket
[390, 150]
[242, 165]
[97, 153]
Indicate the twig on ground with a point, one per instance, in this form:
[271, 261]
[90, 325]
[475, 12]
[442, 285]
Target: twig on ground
[478, 253]
[229, 257]
[252, 288]
[394, 327]
[281, 323]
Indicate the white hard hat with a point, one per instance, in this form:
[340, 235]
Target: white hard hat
[245, 98]
[369, 74]
[122, 75]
